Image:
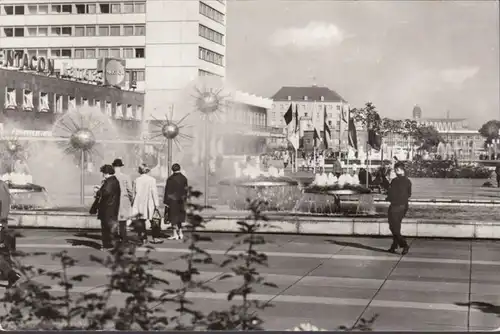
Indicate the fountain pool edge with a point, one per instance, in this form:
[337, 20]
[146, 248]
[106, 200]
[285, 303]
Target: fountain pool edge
[286, 223]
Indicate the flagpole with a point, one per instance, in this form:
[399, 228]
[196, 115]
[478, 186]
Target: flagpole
[367, 156]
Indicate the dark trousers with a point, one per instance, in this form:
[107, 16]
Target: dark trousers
[107, 230]
[6, 265]
[122, 230]
[396, 214]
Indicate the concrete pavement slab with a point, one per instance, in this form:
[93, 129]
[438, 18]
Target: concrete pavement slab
[431, 286]
[355, 269]
[336, 292]
[430, 297]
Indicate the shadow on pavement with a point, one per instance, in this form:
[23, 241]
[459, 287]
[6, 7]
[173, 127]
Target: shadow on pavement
[356, 245]
[86, 243]
[93, 236]
[483, 307]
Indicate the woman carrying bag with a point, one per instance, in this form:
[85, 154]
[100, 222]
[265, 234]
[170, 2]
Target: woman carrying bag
[145, 205]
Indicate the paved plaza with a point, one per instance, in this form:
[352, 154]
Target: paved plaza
[332, 281]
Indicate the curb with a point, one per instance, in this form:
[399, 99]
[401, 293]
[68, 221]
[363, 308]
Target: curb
[288, 224]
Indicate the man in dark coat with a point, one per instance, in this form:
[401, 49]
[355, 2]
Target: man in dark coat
[108, 206]
[176, 191]
[398, 195]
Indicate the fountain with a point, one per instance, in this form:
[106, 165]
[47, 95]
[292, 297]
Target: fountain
[18, 178]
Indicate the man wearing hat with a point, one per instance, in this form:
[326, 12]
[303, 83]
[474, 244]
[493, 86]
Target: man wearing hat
[126, 200]
[176, 193]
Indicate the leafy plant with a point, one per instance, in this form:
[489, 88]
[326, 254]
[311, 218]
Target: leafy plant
[362, 325]
[186, 317]
[245, 265]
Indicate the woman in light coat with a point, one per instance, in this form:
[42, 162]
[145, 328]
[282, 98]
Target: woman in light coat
[146, 200]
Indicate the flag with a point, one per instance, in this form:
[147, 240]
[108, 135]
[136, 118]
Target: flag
[351, 133]
[327, 134]
[294, 139]
[374, 139]
[345, 117]
[288, 115]
[296, 118]
[316, 138]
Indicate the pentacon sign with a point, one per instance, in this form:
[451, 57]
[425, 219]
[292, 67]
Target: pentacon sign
[22, 61]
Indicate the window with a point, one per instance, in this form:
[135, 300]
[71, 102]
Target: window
[140, 30]
[55, 31]
[66, 31]
[67, 9]
[128, 8]
[71, 103]
[104, 8]
[79, 31]
[43, 31]
[85, 102]
[79, 53]
[338, 107]
[128, 30]
[129, 114]
[55, 53]
[119, 111]
[55, 9]
[81, 9]
[139, 53]
[90, 31]
[19, 10]
[103, 53]
[43, 104]
[58, 103]
[32, 31]
[31, 53]
[18, 32]
[210, 56]
[128, 53]
[27, 100]
[211, 13]
[10, 98]
[97, 104]
[8, 32]
[9, 10]
[43, 53]
[90, 53]
[211, 34]
[66, 53]
[43, 9]
[140, 7]
[140, 75]
[114, 31]
[115, 8]
[108, 109]
[32, 9]
[103, 31]
[91, 9]
[114, 53]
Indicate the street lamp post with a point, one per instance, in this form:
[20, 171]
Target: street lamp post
[82, 140]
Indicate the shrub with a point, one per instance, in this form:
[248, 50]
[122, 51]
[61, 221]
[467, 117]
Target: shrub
[445, 169]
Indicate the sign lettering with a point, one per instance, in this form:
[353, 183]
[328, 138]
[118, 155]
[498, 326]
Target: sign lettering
[82, 74]
[23, 62]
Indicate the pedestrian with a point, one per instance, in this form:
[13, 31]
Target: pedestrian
[146, 201]
[176, 192]
[286, 159]
[398, 196]
[337, 167]
[126, 198]
[108, 205]
[497, 172]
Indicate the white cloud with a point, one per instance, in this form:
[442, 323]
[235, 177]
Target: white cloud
[458, 76]
[315, 35]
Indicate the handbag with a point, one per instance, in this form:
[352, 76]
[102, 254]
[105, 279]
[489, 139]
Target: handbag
[156, 223]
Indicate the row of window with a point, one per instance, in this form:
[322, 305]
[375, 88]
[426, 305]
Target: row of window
[121, 111]
[211, 34]
[80, 8]
[203, 73]
[284, 106]
[211, 13]
[84, 53]
[75, 31]
[211, 56]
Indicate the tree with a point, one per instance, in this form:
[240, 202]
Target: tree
[427, 137]
[490, 129]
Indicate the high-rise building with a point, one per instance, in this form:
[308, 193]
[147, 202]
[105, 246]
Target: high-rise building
[166, 43]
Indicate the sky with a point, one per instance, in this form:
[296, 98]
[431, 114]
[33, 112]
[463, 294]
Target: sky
[441, 55]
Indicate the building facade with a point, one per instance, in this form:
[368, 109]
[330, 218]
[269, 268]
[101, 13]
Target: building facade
[312, 103]
[178, 40]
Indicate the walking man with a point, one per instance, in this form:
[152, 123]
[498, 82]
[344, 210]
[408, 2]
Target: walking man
[126, 199]
[176, 191]
[108, 197]
[398, 195]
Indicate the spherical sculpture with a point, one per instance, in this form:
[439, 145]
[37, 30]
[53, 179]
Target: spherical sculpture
[82, 139]
[208, 103]
[170, 130]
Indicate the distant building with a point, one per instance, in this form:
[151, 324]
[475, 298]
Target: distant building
[311, 103]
